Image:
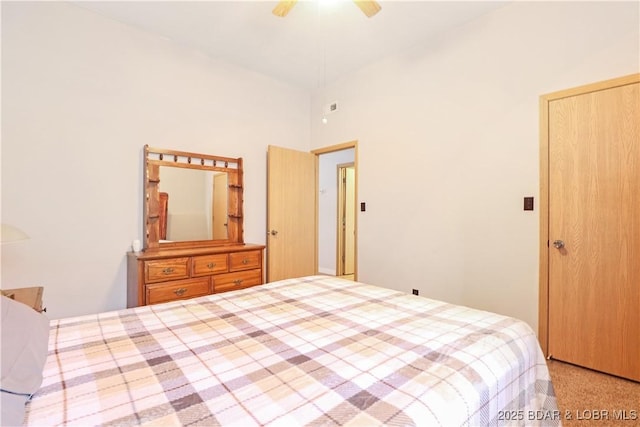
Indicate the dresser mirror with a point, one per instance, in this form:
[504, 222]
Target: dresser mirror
[191, 199]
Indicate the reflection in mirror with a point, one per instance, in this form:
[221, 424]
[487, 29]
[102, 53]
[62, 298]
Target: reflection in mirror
[196, 204]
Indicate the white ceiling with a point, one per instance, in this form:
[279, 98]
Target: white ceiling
[310, 47]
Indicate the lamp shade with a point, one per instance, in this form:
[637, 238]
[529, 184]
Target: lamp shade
[9, 234]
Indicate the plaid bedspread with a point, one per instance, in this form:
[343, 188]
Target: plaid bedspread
[310, 351]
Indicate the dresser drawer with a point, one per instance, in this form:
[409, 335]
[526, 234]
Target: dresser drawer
[245, 260]
[181, 289]
[238, 280]
[207, 265]
[162, 270]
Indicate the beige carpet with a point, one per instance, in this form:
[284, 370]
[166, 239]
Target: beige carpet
[588, 398]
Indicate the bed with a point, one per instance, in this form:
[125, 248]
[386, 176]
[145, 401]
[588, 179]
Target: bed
[309, 351]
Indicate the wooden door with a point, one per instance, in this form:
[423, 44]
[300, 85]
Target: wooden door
[594, 227]
[291, 213]
[220, 206]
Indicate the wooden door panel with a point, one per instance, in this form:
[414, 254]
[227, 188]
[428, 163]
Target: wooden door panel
[594, 204]
[291, 213]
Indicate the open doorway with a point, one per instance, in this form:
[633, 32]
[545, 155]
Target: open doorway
[337, 210]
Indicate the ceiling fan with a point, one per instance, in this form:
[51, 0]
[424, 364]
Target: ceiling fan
[368, 7]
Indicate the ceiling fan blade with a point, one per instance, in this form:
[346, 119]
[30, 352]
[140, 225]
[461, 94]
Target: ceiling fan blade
[369, 7]
[283, 7]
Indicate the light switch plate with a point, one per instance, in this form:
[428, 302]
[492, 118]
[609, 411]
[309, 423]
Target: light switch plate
[528, 203]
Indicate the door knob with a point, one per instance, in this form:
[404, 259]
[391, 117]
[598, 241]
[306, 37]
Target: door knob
[558, 244]
[272, 232]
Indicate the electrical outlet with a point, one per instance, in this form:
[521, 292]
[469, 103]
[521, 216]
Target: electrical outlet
[416, 292]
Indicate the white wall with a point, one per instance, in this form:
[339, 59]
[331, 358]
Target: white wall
[81, 95]
[447, 135]
[448, 146]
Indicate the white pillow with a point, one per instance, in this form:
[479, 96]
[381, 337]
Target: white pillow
[24, 334]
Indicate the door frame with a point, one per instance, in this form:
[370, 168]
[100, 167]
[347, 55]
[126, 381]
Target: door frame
[330, 149]
[341, 238]
[545, 100]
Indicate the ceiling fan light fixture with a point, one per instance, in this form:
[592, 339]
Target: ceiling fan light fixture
[368, 7]
[327, 3]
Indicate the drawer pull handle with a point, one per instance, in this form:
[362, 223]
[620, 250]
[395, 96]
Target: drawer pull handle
[245, 261]
[211, 265]
[180, 291]
[167, 270]
[238, 282]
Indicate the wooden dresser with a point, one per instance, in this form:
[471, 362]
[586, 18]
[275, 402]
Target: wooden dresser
[30, 296]
[171, 274]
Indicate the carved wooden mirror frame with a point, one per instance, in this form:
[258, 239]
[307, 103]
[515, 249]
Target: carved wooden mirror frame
[156, 157]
